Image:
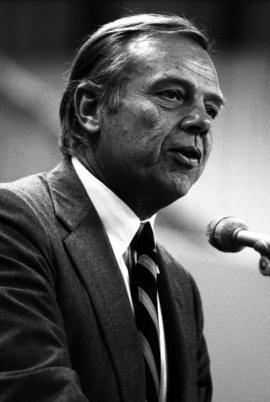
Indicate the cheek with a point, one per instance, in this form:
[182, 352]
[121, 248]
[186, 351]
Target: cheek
[151, 129]
[208, 144]
[148, 117]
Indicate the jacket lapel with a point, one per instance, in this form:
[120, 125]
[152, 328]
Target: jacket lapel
[89, 247]
[172, 302]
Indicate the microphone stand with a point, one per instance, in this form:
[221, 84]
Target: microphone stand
[264, 263]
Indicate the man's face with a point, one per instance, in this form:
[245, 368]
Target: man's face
[159, 139]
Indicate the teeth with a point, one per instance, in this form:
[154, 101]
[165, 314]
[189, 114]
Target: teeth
[190, 155]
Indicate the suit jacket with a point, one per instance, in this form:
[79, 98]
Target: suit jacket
[67, 331]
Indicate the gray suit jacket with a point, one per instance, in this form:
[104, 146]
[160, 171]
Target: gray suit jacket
[67, 332]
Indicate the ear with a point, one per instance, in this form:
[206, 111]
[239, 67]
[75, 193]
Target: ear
[86, 107]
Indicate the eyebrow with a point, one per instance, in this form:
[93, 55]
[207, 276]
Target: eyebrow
[171, 79]
[216, 98]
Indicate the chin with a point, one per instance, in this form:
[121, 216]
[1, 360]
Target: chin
[182, 185]
[169, 189]
[174, 193]
[181, 192]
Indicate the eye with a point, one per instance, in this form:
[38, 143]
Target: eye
[212, 111]
[171, 94]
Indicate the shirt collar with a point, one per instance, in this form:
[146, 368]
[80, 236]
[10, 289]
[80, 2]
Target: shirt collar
[120, 222]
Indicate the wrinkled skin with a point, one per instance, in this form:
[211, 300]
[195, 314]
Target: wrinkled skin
[155, 146]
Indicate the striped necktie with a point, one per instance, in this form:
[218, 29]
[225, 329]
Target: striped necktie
[144, 294]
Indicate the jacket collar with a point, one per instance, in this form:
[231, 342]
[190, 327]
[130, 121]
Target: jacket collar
[173, 302]
[68, 195]
[90, 250]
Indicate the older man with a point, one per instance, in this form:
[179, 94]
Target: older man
[91, 307]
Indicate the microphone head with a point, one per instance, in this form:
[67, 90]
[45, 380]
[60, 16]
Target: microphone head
[221, 231]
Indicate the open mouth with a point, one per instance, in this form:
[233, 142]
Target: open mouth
[188, 157]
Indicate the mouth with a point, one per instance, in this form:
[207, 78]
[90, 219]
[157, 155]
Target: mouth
[188, 157]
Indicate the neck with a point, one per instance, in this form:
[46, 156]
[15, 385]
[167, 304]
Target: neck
[144, 203]
[145, 206]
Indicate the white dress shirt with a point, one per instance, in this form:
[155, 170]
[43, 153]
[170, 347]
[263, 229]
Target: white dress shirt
[121, 225]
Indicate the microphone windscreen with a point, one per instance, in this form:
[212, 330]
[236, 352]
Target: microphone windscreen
[220, 233]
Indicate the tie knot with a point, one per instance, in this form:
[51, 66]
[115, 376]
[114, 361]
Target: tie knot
[144, 241]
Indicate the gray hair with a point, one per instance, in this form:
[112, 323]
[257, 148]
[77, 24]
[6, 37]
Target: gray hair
[103, 60]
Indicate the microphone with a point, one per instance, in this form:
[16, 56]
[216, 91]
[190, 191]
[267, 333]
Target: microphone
[228, 234]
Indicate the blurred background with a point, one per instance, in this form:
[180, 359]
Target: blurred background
[37, 43]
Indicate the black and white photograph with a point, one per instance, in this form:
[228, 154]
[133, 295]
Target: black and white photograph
[134, 201]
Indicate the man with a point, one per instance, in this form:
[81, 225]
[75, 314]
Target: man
[136, 134]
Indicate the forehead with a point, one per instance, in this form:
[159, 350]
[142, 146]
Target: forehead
[173, 55]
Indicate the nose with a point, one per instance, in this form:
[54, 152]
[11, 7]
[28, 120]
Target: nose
[196, 123]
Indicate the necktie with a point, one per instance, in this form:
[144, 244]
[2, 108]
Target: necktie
[144, 294]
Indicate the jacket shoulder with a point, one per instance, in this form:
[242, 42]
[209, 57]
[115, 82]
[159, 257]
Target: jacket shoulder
[29, 189]
[26, 209]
